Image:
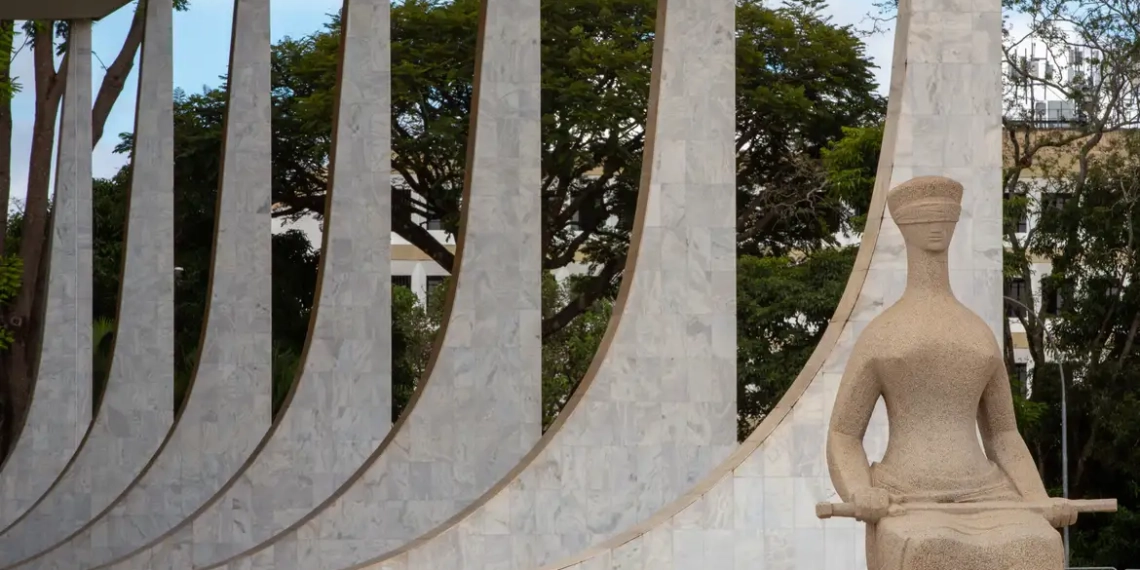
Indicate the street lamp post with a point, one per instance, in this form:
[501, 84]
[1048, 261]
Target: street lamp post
[1064, 446]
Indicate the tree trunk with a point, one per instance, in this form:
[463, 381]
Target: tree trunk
[7, 28]
[49, 87]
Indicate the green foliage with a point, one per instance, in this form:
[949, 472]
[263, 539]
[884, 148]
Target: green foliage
[9, 87]
[568, 353]
[286, 367]
[103, 346]
[1096, 268]
[197, 147]
[783, 306]
[11, 268]
[15, 228]
[800, 80]
[109, 211]
[851, 164]
[413, 331]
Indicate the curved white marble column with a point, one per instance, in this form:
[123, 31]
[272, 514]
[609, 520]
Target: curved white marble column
[757, 510]
[136, 411]
[657, 410]
[60, 411]
[341, 408]
[478, 412]
[227, 411]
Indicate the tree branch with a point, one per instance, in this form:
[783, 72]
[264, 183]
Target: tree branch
[117, 72]
[420, 237]
[596, 288]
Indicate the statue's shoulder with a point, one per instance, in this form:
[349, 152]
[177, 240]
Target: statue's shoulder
[884, 326]
[878, 333]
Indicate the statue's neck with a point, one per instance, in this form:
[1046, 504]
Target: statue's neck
[927, 274]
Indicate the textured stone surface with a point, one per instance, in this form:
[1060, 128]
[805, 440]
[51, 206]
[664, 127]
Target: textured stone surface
[478, 412]
[60, 411]
[227, 411]
[940, 370]
[135, 413]
[757, 511]
[658, 409]
[342, 406]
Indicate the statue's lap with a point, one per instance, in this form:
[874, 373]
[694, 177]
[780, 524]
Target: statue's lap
[998, 540]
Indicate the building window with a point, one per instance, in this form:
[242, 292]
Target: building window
[1015, 289]
[1021, 376]
[404, 281]
[434, 281]
[402, 198]
[1023, 221]
[591, 213]
[1054, 301]
[1054, 200]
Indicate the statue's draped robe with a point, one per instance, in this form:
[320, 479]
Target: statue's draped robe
[998, 540]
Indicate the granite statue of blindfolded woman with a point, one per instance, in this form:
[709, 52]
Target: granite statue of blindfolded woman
[941, 374]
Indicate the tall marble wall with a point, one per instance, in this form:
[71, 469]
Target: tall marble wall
[478, 411]
[639, 470]
[657, 409]
[757, 510]
[135, 413]
[227, 411]
[341, 408]
[60, 411]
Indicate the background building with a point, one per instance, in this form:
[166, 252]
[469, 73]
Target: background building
[411, 267]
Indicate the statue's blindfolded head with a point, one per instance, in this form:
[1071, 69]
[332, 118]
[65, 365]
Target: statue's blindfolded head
[931, 199]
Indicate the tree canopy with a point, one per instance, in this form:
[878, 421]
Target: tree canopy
[803, 84]
[800, 81]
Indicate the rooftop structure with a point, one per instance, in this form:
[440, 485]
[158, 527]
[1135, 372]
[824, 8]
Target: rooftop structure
[58, 9]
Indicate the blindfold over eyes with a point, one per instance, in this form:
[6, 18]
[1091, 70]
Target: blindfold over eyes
[927, 212]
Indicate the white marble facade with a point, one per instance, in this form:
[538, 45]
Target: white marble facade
[227, 411]
[639, 471]
[757, 511]
[478, 411]
[136, 409]
[657, 410]
[341, 408]
[60, 411]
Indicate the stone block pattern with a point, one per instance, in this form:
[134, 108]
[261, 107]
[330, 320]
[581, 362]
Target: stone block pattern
[227, 411]
[342, 407]
[657, 410]
[136, 410]
[478, 412]
[757, 511]
[60, 411]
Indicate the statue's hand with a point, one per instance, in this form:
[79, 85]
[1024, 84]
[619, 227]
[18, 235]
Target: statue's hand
[871, 504]
[1062, 513]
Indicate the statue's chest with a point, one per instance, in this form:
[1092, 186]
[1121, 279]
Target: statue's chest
[955, 359]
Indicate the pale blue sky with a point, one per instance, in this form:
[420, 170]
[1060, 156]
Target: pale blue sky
[201, 52]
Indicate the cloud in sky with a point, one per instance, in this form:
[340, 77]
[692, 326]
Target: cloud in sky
[201, 55]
